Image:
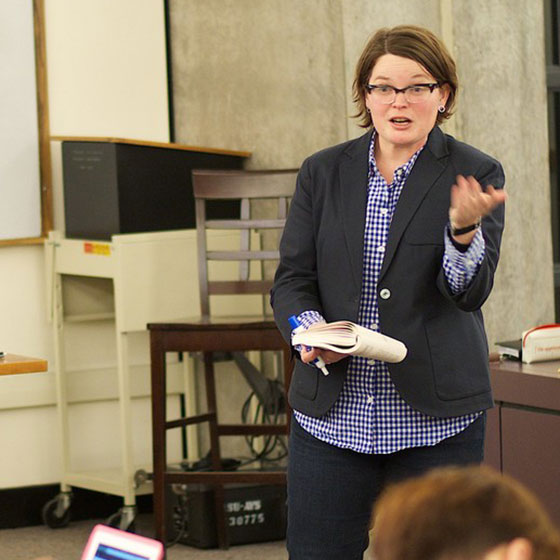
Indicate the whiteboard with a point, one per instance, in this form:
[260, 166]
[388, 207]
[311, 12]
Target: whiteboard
[20, 203]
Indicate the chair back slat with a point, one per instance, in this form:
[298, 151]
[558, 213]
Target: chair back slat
[245, 224]
[241, 255]
[248, 187]
[243, 184]
[232, 287]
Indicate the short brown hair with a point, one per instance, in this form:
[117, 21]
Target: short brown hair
[408, 41]
[459, 513]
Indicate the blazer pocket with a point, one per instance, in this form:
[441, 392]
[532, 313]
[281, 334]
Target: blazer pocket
[459, 355]
[305, 380]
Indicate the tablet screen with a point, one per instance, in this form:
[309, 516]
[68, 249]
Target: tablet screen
[109, 543]
[105, 552]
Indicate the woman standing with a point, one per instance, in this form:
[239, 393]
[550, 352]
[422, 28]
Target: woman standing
[398, 230]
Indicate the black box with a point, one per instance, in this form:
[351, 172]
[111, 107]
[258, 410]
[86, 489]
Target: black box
[254, 513]
[113, 187]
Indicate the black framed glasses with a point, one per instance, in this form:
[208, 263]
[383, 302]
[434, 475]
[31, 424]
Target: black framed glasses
[386, 94]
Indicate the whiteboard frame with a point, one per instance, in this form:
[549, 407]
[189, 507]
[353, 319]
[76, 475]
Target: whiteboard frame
[45, 174]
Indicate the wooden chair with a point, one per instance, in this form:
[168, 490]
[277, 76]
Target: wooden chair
[208, 334]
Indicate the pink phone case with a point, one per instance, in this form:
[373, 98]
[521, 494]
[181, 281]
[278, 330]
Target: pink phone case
[108, 543]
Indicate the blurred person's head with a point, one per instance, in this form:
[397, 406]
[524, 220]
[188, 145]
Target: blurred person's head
[462, 513]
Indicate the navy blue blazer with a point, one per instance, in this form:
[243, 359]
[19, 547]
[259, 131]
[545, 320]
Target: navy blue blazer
[445, 372]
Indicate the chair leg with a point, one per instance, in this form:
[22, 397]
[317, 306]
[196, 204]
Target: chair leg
[215, 454]
[212, 408]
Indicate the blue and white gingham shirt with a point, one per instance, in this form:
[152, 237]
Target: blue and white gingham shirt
[370, 416]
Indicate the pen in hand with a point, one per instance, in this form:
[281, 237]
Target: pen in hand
[298, 327]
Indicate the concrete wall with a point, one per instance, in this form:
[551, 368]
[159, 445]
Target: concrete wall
[263, 76]
[500, 53]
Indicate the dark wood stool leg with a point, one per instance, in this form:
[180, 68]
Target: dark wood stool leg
[215, 454]
[158, 433]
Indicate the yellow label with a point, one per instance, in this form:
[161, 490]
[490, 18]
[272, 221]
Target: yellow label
[97, 248]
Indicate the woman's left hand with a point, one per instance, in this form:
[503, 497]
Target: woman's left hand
[469, 204]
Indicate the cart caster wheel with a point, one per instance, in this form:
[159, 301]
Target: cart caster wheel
[123, 519]
[56, 512]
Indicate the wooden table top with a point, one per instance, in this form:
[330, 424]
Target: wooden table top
[536, 384]
[12, 364]
[149, 143]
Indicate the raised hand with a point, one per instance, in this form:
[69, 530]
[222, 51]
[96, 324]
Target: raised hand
[469, 204]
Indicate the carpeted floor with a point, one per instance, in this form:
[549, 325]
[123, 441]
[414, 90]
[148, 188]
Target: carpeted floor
[29, 543]
[43, 543]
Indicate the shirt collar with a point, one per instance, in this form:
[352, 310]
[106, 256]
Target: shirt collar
[401, 173]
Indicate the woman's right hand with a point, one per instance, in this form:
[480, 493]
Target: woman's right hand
[328, 356]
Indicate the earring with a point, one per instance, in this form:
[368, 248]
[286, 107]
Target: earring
[441, 108]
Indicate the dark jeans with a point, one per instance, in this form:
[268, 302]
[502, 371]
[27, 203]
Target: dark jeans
[331, 491]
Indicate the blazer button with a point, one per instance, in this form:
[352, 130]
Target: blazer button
[385, 293]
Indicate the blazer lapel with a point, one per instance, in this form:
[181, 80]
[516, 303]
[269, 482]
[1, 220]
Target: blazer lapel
[427, 169]
[353, 176]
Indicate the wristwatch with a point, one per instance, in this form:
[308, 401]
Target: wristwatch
[466, 229]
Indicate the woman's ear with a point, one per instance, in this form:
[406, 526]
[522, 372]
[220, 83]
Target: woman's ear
[444, 94]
